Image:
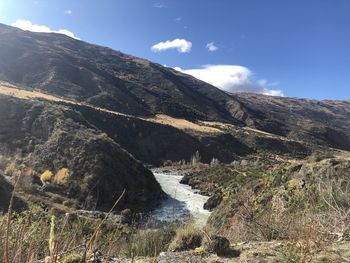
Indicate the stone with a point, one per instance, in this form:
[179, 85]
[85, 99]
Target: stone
[213, 202]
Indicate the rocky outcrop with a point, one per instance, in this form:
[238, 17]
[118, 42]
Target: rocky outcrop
[6, 189]
[213, 202]
[220, 246]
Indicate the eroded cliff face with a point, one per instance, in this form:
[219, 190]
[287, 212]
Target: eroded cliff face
[86, 164]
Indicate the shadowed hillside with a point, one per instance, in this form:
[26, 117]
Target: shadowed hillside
[58, 65]
[82, 162]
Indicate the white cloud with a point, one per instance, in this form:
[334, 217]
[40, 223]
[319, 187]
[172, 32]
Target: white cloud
[211, 47]
[159, 5]
[232, 78]
[68, 12]
[178, 19]
[182, 46]
[28, 25]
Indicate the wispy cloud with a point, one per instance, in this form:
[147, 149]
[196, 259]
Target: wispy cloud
[181, 45]
[232, 78]
[28, 25]
[159, 5]
[68, 12]
[211, 47]
[178, 19]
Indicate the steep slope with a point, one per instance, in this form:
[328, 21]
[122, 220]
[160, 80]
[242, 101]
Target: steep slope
[92, 75]
[320, 122]
[160, 138]
[103, 77]
[86, 165]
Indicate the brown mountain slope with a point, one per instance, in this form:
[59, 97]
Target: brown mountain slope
[159, 138]
[103, 77]
[320, 122]
[61, 66]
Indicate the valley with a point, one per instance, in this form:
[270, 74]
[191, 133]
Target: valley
[114, 158]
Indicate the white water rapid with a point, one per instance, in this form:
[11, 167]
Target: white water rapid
[183, 203]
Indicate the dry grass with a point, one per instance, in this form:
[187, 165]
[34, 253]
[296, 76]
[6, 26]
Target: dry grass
[183, 124]
[62, 176]
[27, 94]
[35, 236]
[187, 238]
[46, 176]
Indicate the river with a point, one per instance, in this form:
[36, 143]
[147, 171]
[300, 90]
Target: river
[184, 204]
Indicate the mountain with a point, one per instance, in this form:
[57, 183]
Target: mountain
[320, 122]
[100, 114]
[103, 77]
[99, 76]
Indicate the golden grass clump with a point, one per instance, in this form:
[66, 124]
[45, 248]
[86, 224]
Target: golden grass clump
[188, 237]
[62, 176]
[46, 176]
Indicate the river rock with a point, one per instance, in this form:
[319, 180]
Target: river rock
[185, 180]
[213, 202]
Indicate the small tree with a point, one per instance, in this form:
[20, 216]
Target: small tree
[46, 176]
[214, 162]
[195, 159]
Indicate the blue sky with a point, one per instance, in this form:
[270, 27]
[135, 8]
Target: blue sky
[300, 47]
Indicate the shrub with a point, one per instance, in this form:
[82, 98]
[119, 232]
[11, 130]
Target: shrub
[69, 203]
[214, 162]
[216, 244]
[302, 243]
[62, 176]
[195, 159]
[167, 163]
[57, 199]
[72, 258]
[150, 242]
[186, 238]
[46, 176]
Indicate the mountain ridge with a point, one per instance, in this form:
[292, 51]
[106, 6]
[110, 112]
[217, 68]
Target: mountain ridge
[75, 70]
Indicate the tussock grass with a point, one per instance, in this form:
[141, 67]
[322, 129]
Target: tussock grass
[187, 238]
[35, 236]
[149, 243]
[46, 176]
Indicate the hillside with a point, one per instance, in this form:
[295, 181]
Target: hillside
[114, 105]
[81, 123]
[86, 166]
[321, 122]
[57, 65]
[103, 77]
